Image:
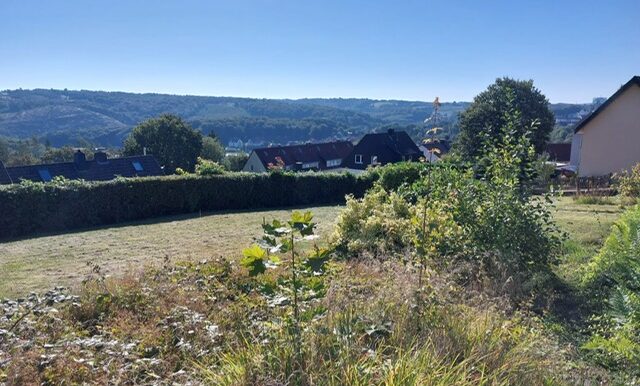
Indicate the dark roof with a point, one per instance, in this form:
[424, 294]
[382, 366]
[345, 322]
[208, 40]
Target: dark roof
[4, 176]
[107, 169]
[559, 152]
[398, 142]
[306, 153]
[633, 81]
[387, 147]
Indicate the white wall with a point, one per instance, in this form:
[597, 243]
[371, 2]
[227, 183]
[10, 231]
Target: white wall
[254, 164]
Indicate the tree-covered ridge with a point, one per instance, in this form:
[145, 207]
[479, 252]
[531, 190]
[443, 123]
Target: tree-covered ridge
[65, 117]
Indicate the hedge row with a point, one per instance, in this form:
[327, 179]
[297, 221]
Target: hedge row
[30, 208]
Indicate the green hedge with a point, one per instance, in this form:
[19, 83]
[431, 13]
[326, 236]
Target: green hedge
[30, 208]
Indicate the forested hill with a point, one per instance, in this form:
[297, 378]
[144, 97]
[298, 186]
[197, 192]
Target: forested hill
[104, 118]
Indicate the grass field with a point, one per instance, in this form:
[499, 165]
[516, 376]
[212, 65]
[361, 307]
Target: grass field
[43, 262]
[587, 226]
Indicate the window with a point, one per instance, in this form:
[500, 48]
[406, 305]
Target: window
[333, 162]
[358, 159]
[374, 160]
[44, 174]
[137, 166]
[310, 165]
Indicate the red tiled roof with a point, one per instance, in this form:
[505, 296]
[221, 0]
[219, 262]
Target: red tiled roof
[306, 153]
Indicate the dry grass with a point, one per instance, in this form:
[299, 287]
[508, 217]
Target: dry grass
[44, 262]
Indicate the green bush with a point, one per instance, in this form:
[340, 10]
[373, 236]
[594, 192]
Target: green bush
[629, 183]
[393, 176]
[376, 224]
[30, 207]
[205, 167]
[613, 281]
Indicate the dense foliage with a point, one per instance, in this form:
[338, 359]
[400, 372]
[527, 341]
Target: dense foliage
[485, 118]
[212, 149]
[612, 280]
[628, 183]
[169, 139]
[106, 118]
[447, 216]
[60, 205]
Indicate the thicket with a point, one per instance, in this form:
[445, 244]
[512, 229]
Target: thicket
[445, 216]
[628, 183]
[612, 281]
[59, 205]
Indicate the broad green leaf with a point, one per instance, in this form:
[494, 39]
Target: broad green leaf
[254, 251]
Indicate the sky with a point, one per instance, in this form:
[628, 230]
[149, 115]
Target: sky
[414, 50]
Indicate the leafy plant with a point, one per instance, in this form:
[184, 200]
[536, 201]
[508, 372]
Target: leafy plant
[628, 183]
[205, 167]
[280, 245]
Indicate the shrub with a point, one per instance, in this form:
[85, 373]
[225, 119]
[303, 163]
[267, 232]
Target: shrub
[205, 167]
[393, 176]
[376, 224]
[37, 207]
[613, 278]
[490, 219]
[628, 183]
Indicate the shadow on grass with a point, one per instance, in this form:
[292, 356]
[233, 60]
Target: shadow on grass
[158, 220]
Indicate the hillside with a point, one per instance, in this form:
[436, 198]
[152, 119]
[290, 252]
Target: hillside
[104, 118]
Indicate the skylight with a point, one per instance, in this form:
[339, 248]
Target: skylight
[44, 175]
[137, 165]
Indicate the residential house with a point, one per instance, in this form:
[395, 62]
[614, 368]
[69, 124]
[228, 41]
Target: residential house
[382, 148]
[309, 156]
[433, 151]
[101, 168]
[608, 140]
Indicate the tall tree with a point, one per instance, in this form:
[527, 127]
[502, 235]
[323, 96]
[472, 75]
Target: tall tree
[212, 149]
[171, 140]
[489, 113]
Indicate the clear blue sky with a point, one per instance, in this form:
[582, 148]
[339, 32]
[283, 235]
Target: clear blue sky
[572, 49]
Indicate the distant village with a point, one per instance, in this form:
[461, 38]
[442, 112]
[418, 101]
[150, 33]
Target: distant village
[605, 141]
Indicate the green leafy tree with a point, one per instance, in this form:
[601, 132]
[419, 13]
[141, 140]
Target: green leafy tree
[489, 112]
[212, 149]
[171, 140]
[54, 155]
[235, 162]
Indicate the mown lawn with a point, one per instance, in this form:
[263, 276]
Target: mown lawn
[587, 226]
[41, 263]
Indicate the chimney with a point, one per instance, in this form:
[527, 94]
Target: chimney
[100, 157]
[79, 159]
